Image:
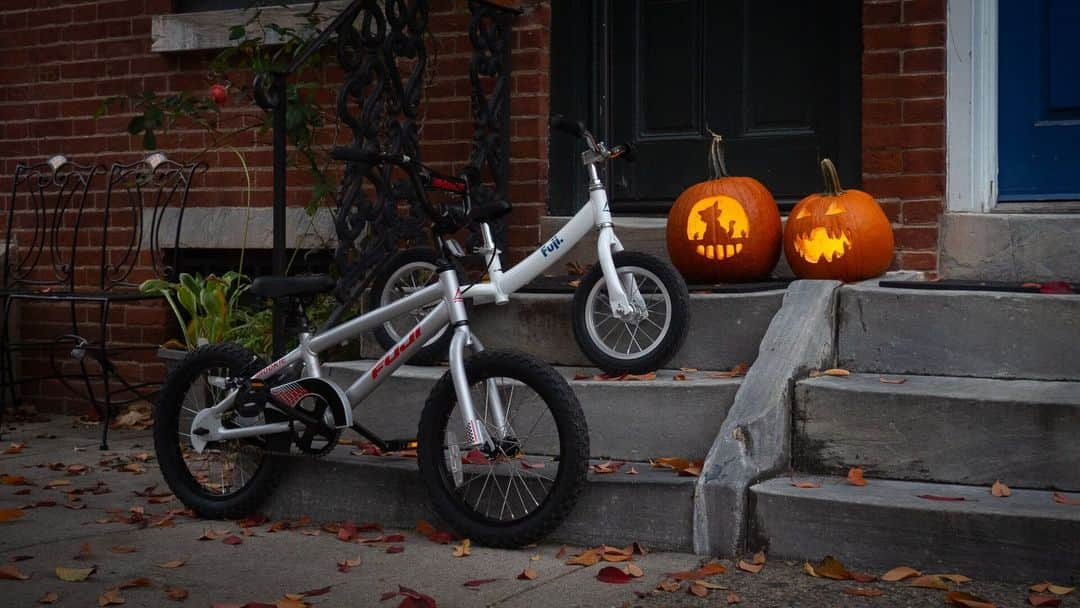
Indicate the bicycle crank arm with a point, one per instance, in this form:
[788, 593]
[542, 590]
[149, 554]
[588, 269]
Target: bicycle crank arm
[206, 428]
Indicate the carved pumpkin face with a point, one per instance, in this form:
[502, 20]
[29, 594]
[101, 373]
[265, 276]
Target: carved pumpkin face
[839, 234]
[724, 230]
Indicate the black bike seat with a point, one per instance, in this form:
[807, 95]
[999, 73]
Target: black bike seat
[490, 211]
[277, 287]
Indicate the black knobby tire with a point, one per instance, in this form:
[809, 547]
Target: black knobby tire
[435, 348]
[170, 446]
[665, 346]
[572, 458]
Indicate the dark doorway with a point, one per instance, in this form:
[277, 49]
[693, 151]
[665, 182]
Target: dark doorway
[779, 80]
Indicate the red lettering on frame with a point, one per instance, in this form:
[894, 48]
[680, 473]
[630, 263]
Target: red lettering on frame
[392, 356]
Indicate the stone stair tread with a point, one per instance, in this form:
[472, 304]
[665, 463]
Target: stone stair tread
[885, 524]
[664, 377]
[958, 387]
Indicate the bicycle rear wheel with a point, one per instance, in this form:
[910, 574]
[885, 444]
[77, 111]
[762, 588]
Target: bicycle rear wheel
[406, 273]
[525, 487]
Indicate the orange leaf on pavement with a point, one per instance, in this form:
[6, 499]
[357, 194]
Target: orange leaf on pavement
[634, 570]
[855, 476]
[829, 567]
[806, 485]
[49, 598]
[1065, 500]
[7, 515]
[176, 593]
[1000, 490]
[962, 598]
[732, 598]
[863, 591]
[899, 573]
[1036, 599]
[10, 572]
[586, 558]
[110, 597]
[929, 581]
[755, 564]
[527, 574]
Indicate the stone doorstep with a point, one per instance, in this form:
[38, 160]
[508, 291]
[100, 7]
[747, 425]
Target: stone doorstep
[1026, 537]
[653, 507]
[941, 429]
[958, 333]
[628, 420]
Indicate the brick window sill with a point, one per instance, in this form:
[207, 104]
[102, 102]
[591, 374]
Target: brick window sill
[209, 30]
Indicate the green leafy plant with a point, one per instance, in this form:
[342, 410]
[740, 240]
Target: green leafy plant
[207, 309]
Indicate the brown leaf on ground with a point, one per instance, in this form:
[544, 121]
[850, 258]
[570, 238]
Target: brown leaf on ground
[639, 548]
[688, 369]
[478, 582]
[1000, 490]
[634, 570]
[631, 471]
[675, 464]
[929, 581]
[123, 549]
[836, 372]
[694, 470]
[110, 597]
[740, 369]
[561, 553]
[462, 550]
[855, 476]
[7, 515]
[708, 569]
[829, 567]
[10, 572]
[899, 573]
[696, 588]
[85, 552]
[395, 549]
[610, 466]
[754, 565]
[863, 591]
[74, 575]
[806, 485]
[589, 557]
[347, 564]
[613, 575]
[680, 377]
[176, 593]
[14, 480]
[956, 578]
[639, 377]
[1052, 601]
[213, 534]
[962, 598]
[884, 380]
[232, 540]
[527, 574]
[142, 581]
[15, 448]
[581, 376]
[732, 598]
[668, 584]
[1052, 588]
[1061, 499]
[50, 597]
[425, 528]
[176, 563]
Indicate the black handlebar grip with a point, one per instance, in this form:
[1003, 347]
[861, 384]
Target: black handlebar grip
[561, 123]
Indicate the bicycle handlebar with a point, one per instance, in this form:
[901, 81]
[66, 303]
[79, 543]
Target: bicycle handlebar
[577, 128]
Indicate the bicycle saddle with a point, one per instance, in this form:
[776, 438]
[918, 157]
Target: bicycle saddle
[489, 211]
[277, 287]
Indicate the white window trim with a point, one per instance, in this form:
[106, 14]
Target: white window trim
[209, 30]
[971, 105]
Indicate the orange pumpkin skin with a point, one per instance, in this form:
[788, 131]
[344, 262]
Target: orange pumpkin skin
[838, 234]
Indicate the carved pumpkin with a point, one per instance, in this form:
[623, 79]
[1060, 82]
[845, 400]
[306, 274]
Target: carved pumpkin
[838, 234]
[724, 230]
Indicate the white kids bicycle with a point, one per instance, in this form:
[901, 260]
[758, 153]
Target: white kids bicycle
[630, 312]
[502, 447]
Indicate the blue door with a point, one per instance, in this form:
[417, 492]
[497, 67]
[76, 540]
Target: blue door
[1039, 100]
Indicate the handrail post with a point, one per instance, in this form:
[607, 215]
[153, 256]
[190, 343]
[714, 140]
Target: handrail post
[280, 172]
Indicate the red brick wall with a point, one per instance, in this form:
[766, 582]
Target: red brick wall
[903, 134]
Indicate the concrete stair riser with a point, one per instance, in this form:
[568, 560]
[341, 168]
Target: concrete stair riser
[628, 420]
[653, 507]
[953, 430]
[959, 333]
[1025, 537]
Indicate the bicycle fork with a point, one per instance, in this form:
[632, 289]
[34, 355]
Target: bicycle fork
[477, 433]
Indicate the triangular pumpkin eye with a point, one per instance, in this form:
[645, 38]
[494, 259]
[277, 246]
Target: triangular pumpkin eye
[834, 209]
[802, 213]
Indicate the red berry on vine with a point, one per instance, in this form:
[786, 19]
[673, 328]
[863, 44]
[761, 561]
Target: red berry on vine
[219, 93]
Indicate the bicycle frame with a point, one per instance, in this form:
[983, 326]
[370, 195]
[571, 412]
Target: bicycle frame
[450, 310]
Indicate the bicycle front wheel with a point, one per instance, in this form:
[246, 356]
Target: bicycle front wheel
[523, 489]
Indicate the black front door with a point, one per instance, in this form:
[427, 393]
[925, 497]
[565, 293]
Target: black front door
[779, 80]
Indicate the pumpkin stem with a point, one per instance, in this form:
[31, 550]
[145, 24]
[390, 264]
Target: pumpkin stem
[832, 180]
[716, 155]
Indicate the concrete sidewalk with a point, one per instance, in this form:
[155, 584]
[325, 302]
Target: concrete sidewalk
[267, 565]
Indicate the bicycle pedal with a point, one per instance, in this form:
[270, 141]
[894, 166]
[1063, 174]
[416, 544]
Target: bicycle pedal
[398, 445]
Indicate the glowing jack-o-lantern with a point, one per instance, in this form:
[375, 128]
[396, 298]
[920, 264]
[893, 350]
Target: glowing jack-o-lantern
[838, 234]
[726, 229]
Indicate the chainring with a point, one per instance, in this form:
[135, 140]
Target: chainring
[313, 441]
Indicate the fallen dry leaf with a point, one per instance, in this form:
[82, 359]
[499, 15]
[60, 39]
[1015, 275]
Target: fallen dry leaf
[806, 485]
[708, 569]
[929, 581]
[561, 553]
[15, 448]
[7, 515]
[962, 598]
[142, 581]
[462, 550]
[613, 575]
[527, 574]
[110, 597]
[754, 565]
[588, 557]
[634, 570]
[176, 563]
[732, 598]
[1000, 490]
[347, 564]
[835, 371]
[232, 540]
[899, 573]
[669, 585]
[395, 549]
[212, 534]
[696, 588]
[74, 575]
[14, 480]
[478, 582]
[1052, 588]
[1065, 500]
[1052, 601]
[884, 380]
[956, 578]
[863, 591]
[10, 572]
[49, 598]
[855, 476]
[122, 549]
[829, 567]
[675, 464]
[176, 593]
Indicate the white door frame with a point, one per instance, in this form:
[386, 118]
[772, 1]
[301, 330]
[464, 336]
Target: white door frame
[971, 105]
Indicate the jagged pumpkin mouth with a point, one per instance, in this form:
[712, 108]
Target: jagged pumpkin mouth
[822, 245]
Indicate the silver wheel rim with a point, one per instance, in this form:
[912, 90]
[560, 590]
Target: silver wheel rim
[627, 340]
[517, 482]
[225, 467]
[406, 280]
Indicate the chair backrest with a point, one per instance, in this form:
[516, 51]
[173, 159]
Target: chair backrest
[45, 221]
[144, 211]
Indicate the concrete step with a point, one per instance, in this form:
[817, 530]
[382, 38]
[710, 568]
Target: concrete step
[628, 420]
[1026, 537]
[954, 430]
[959, 333]
[654, 507]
